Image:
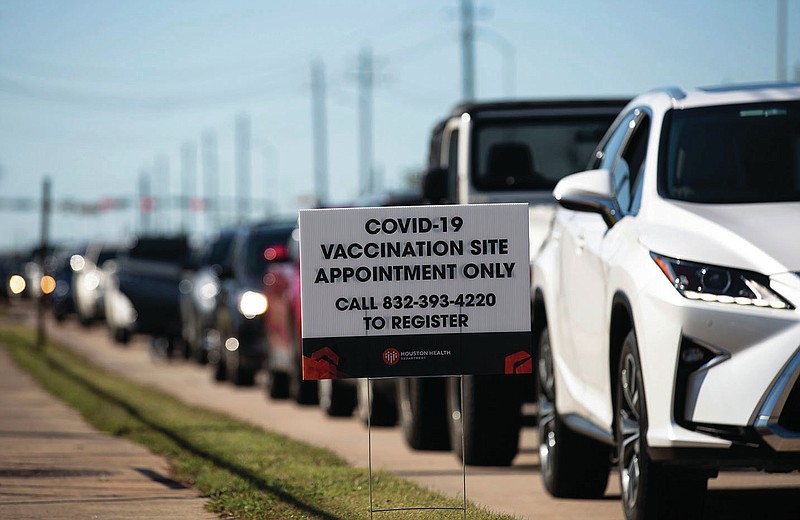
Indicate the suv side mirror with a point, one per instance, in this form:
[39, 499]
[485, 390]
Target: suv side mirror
[434, 185]
[589, 191]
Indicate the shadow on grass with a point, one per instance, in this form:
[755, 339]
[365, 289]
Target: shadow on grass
[257, 481]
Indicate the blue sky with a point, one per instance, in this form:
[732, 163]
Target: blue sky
[92, 91]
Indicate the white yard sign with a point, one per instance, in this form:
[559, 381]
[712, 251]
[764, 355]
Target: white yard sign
[422, 290]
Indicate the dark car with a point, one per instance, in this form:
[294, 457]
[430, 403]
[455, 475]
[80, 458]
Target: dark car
[62, 300]
[199, 291]
[237, 341]
[143, 289]
[32, 270]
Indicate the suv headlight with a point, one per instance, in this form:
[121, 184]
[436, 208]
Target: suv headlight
[252, 304]
[712, 283]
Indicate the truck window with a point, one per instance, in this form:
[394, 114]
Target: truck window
[532, 155]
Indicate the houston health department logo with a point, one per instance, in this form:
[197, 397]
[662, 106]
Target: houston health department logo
[391, 356]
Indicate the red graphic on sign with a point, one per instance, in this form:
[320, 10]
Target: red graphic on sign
[323, 364]
[391, 356]
[519, 363]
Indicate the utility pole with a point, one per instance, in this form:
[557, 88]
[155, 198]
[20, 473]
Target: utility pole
[783, 23]
[243, 144]
[188, 185]
[508, 52]
[161, 167]
[320, 126]
[365, 85]
[467, 50]
[47, 208]
[208, 146]
[145, 202]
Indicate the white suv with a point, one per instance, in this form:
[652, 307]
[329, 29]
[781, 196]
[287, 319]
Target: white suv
[666, 301]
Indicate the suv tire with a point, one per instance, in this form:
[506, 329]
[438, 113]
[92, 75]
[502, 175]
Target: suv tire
[573, 466]
[277, 383]
[422, 412]
[649, 491]
[380, 410]
[337, 398]
[488, 418]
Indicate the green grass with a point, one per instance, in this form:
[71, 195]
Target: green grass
[244, 471]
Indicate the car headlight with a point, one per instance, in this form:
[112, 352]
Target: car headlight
[77, 262]
[91, 281]
[712, 283]
[16, 283]
[252, 304]
[206, 296]
[121, 311]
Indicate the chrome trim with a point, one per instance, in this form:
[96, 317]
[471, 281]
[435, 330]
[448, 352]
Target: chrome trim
[694, 379]
[720, 355]
[766, 421]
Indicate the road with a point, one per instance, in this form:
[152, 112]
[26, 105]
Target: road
[516, 490]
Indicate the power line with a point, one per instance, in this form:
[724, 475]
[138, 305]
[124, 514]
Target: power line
[102, 100]
[389, 26]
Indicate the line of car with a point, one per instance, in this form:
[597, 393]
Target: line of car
[665, 294]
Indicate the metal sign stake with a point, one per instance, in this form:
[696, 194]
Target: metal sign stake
[372, 509]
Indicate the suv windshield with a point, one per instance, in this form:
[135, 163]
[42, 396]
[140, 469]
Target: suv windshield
[535, 154]
[732, 154]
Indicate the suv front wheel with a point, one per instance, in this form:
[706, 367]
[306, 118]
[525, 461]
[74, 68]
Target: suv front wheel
[573, 466]
[649, 491]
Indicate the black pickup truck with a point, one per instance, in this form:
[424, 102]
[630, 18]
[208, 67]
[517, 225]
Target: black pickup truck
[143, 294]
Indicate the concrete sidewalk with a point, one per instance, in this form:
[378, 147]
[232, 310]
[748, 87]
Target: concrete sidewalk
[54, 465]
